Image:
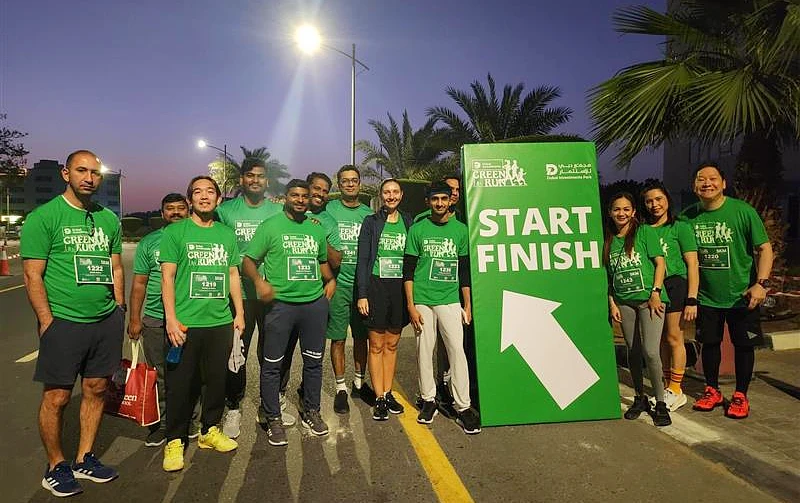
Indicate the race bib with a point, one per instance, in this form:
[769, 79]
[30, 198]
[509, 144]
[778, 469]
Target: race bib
[302, 269]
[91, 269]
[444, 270]
[390, 267]
[629, 281]
[349, 253]
[714, 257]
[207, 285]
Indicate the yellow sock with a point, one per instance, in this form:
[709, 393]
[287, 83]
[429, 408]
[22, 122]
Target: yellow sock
[675, 378]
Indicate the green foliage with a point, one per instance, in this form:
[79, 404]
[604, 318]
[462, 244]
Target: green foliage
[227, 171]
[12, 156]
[131, 225]
[543, 138]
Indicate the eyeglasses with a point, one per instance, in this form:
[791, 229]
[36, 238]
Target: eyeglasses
[90, 218]
[349, 181]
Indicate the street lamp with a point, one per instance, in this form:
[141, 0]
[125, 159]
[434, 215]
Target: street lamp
[105, 170]
[225, 158]
[309, 40]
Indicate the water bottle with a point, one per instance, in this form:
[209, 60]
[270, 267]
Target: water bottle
[174, 354]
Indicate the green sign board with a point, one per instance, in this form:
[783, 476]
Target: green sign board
[544, 346]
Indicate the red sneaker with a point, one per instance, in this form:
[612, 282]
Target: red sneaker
[710, 399]
[739, 407]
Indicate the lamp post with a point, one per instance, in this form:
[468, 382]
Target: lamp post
[106, 171]
[308, 40]
[225, 158]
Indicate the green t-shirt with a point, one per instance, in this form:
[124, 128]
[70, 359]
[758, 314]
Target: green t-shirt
[244, 220]
[146, 262]
[77, 245]
[438, 248]
[631, 277]
[204, 256]
[676, 239]
[331, 228]
[292, 252]
[726, 238]
[349, 221]
[391, 246]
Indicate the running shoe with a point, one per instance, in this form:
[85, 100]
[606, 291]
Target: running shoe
[156, 436]
[312, 420]
[639, 405]
[217, 440]
[276, 435]
[232, 424]
[340, 405]
[394, 406]
[194, 429]
[365, 393]
[92, 469]
[60, 481]
[469, 421]
[173, 456]
[428, 412]
[381, 410]
[674, 400]
[710, 399]
[661, 415]
[445, 401]
[739, 407]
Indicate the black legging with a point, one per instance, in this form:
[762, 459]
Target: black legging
[744, 360]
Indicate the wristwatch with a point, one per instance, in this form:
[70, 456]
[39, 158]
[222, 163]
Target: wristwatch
[656, 289]
[690, 301]
[766, 283]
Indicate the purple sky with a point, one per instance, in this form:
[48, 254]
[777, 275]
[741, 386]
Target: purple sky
[141, 82]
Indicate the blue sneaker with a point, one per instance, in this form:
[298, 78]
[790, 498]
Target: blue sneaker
[60, 481]
[93, 469]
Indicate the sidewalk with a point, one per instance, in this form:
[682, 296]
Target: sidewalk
[14, 262]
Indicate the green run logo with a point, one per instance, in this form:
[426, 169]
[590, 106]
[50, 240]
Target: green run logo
[497, 173]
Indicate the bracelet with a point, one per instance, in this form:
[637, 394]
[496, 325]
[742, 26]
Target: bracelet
[690, 301]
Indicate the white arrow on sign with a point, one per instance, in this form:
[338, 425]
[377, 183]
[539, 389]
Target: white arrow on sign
[529, 325]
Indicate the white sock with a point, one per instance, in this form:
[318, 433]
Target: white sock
[340, 385]
[357, 380]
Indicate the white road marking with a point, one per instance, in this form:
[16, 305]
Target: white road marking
[11, 288]
[29, 357]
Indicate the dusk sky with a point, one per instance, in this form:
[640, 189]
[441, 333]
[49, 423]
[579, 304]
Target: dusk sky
[140, 82]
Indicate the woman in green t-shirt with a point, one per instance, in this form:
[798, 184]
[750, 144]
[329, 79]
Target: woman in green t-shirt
[635, 264]
[682, 281]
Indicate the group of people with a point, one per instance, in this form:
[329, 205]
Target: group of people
[711, 264]
[304, 271]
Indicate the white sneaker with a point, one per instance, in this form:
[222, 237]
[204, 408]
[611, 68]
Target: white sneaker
[231, 426]
[673, 400]
[287, 419]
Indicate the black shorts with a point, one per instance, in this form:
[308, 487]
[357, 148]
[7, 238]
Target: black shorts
[67, 349]
[387, 304]
[744, 325]
[677, 289]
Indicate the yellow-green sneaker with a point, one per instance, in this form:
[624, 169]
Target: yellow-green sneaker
[216, 440]
[173, 456]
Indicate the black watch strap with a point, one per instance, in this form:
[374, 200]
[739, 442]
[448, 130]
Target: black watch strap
[690, 301]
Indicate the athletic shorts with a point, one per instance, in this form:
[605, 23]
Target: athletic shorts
[677, 289]
[387, 304]
[744, 325]
[342, 313]
[67, 349]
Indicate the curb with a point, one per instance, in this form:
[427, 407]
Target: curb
[788, 339]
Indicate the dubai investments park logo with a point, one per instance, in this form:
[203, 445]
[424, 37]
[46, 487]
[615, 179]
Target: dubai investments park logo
[497, 173]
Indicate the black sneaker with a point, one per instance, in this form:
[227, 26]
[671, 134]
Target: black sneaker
[381, 410]
[469, 421]
[61, 481]
[365, 393]
[445, 400]
[340, 405]
[276, 435]
[393, 405]
[640, 404]
[312, 420]
[156, 436]
[427, 413]
[661, 415]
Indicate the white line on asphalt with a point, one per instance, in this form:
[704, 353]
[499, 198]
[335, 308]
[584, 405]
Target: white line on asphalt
[11, 288]
[29, 357]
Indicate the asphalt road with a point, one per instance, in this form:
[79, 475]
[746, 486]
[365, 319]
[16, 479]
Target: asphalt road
[360, 460]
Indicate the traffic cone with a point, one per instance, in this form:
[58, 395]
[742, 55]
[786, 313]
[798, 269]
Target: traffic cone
[4, 269]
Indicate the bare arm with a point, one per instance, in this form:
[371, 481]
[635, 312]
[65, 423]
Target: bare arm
[616, 315]
[264, 290]
[236, 297]
[33, 271]
[758, 293]
[138, 291]
[693, 277]
[416, 318]
[334, 257]
[329, 282]
[119, 278]
[656, 306]
[467, 306]
[173, 326]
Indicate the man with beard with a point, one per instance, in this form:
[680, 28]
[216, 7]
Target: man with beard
[146, 286]
[300, 284]
[244, 214]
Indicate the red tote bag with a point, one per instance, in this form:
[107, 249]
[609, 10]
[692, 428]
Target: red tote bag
[132, 392]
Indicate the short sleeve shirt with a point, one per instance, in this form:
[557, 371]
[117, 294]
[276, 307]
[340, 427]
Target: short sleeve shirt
[391, 246]
[676, 239]
[203, 256]
[146, 263]
[726, 238]
[292, 252]
[331, 228]
[349, 221]
[77, 245]
[631, 275]
[438, 248]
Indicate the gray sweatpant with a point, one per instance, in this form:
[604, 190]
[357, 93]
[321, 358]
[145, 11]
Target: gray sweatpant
[643, 335]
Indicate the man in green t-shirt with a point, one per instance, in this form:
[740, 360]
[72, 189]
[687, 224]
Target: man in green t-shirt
[298, 284]
[146, 292]
[199, 278]
[435, 272]
[735, 259]
[71, 249]
[244, 214]
[349, 214]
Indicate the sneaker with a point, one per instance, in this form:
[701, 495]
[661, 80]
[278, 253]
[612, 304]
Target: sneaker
[312, 420]
[661, 415]
[739, 407]
[469, 421]
[710, 399]
[194, 430]
[282, 400]
[640, 404]
[365, 393]
[92, 469]
[340, 405]
[674, 400]
[61, 481]
[393, 404]
[232, 424]
[276, 435]
[156, 436]
[381, 410]
[173, 456]
[427, 413]
[217, 440]
[288, 419]
[445, 400]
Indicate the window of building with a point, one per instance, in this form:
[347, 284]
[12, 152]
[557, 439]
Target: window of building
[44, 190]
[43, 178]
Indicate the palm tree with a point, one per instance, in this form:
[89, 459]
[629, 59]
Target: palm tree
[227, 172]
[490, 118]
[405, 153]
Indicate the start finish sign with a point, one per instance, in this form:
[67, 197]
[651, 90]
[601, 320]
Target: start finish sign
[539, 290]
